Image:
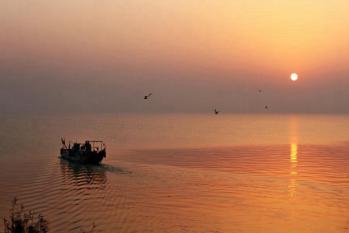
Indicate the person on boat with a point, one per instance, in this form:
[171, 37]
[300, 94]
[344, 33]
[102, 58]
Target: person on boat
[88, 146]
[76, 147]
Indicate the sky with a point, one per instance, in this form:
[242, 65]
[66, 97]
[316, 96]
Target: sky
[193, 55]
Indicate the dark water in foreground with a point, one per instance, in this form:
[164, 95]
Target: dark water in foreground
[182, 173]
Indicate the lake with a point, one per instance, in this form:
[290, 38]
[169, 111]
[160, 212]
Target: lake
[174, 173]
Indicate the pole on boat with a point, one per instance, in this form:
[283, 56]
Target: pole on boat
[63, 142]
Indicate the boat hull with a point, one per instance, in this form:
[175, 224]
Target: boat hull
[83, 157]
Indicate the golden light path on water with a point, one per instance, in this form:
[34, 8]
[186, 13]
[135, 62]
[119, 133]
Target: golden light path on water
[293, 155]
[293, 170]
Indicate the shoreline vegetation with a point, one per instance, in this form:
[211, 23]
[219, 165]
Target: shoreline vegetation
[21, 220]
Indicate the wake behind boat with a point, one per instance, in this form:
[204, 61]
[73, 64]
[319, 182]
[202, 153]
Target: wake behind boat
[90, 152]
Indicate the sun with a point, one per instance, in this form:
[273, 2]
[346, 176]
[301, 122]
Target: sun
[294, 77]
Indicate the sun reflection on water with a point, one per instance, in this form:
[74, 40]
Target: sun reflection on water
[293, 158]
[292, 186]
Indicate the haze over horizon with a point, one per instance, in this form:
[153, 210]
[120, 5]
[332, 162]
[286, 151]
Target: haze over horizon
[194, 56]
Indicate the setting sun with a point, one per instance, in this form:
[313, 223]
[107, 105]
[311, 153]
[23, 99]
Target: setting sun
[294, 77]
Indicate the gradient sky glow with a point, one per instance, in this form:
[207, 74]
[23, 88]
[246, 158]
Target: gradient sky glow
[87, 56]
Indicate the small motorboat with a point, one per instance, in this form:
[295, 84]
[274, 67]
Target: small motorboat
[90, 152]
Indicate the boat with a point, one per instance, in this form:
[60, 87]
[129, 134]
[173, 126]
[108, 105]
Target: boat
[89, 152]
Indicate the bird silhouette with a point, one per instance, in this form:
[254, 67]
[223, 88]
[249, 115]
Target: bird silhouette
[148, 96]
[260, 91]
[216, 111]
[266, 107]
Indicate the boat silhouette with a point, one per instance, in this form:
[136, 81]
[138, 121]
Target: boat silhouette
[90, 152]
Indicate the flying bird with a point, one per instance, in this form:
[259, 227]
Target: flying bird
[260, 91]
[216, 111]
[266, 107]
[147, 96]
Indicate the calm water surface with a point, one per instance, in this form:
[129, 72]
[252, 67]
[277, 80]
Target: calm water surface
[182, 173]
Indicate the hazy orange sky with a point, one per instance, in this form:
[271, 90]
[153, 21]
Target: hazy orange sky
[85, 55]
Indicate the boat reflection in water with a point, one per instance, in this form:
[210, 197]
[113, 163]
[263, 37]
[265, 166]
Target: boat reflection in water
[83, 175]
[88, 174]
